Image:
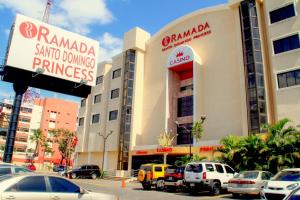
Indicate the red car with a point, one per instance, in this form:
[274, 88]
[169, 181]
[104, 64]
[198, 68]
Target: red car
[31, 167]
[174, 177]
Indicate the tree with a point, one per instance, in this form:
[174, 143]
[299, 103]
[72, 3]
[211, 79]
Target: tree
[197, 130]
[165, 139]
[186, 159]
[65, 140]
[39, 139]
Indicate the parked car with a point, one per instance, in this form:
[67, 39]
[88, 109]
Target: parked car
[30, 167]
[282, 184]
[248, 182]
[152, 175]
[59, 168]
[84, 171]
[12, 169]
[174, 177]
[294, 194]
[207, 176]
[36, 187]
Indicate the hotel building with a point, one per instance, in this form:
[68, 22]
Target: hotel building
[237, 63]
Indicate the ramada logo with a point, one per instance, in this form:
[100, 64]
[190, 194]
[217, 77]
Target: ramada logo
[166, 41]
[28, 29]
[179, 54]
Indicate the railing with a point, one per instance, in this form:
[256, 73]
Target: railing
[134, 172]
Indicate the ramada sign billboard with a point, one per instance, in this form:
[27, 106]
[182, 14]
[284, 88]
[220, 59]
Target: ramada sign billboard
[37, 46]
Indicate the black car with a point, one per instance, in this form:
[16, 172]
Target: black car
[59, 168]
[85, 171]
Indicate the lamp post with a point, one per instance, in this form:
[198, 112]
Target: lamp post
[105, 137]
[203, 117]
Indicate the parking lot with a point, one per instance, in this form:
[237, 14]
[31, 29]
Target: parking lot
[134, 191]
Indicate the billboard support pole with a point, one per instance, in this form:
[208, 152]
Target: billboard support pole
[20, 89]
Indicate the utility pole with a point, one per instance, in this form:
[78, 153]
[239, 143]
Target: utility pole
[105, 137]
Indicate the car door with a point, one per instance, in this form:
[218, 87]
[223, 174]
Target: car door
[28, 188]
[62, 189]
[222, 176]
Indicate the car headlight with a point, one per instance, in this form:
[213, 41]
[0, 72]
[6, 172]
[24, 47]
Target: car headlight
[292, 186]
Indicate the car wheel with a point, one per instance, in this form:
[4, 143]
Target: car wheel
[146, 186]
[160, 185]
[94, 176]
[73, 176]
[216, 188]
[235, 195]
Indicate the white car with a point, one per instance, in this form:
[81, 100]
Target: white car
[282, 184]
[294, 195]
[45, 187]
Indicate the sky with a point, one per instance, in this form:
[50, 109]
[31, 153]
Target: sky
[103, 20]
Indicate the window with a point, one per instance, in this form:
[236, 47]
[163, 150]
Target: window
[52, 124]
[23, 129]
[114, 93]
[158, 169]
[185, 106]
[282, 13]
[219, 168]
[194, 168]
[83, 102]
[4, 171]
[209, 167]
[99, 80]
[288, 79]
[81, 121]
[188, 87]
[19, 169]
[62, 185]
[286, 44]
[29, 184]
[266, 176]
[97, 98]
[53, 115]
[113, 115]
[95, 118]
[116, 73]
[229, 170]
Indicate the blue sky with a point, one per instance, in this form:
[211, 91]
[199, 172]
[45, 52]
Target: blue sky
[103, 20]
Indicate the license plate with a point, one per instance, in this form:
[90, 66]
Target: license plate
[192, 184]
[170, 178]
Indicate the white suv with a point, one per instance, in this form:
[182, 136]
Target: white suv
[207, 176]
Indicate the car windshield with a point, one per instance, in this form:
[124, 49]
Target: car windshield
[146, 168]
[247, 175]
[194, 168]
[288, 176]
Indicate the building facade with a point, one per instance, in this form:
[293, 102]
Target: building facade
[45, 114]
[236, 64]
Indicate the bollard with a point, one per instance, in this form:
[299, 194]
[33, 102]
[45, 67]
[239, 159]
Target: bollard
[123, 184]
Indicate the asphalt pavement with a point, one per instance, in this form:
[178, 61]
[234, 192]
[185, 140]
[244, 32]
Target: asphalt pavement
[134, 191]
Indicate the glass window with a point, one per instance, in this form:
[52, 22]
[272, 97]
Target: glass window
[219, 168]
[81, 121]
[185, 106]
[209, 167]
[158, 169]
[282, 80]
[5, 170]
[288, 79]
[95, 118]
[184, 134]
[282, 13]
[114, 93]
[266, 176]
[229, 170]
[286, 44]
[83, 102]
[29, 184]
[62, 185]
[297, 76]
[116, 73]
[113, 115]
[99, 80]
[97, 98]
[194, 168]
[19, 169]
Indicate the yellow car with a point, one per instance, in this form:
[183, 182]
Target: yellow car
[152, 174]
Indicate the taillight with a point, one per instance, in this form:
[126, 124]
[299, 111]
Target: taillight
[204, 175]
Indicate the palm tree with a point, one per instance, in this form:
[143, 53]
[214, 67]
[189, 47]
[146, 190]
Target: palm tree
[38, 138]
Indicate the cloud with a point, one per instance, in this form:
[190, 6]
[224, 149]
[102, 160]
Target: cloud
[76, 15]
[109, 46]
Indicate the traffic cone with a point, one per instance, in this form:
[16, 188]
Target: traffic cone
[123, 184]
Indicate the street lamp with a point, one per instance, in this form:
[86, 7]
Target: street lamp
[105, 137]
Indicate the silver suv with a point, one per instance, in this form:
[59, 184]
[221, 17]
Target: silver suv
[207, 176]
